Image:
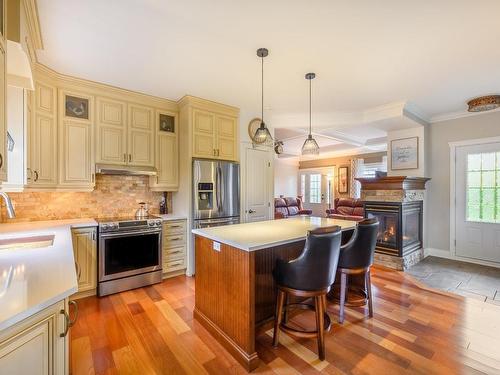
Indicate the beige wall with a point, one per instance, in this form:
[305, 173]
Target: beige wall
[113, 196]
[343, 161]
[285, 178]
[439, 134]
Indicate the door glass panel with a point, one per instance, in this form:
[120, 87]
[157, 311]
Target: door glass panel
[315, 188]
[483, 187]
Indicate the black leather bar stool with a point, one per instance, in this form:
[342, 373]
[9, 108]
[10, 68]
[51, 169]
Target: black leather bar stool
[356, 258]
[310, 276]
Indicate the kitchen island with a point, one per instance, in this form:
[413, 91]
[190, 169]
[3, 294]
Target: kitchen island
[235, 291]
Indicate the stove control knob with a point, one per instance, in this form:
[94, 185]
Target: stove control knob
[151, 223]
[104, 227]
[158, 223]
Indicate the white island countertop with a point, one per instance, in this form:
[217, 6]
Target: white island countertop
[32, 279]
[264, 234]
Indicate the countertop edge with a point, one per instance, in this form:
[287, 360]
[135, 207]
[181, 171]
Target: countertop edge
[246, 247]
[6, 324]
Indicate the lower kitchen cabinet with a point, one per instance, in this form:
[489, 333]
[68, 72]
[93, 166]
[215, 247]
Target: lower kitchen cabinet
[174, 248]
[38, 344]
[85, 253]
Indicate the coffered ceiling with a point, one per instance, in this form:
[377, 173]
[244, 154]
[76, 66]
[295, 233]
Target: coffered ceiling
[379, 64]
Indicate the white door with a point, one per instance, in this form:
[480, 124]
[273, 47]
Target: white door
[477, 210]
[316, 188]
[257, 185]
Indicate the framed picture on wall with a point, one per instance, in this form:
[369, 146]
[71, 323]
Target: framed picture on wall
[77, 107]
[404, 153]
[343, 180]
[167, 123]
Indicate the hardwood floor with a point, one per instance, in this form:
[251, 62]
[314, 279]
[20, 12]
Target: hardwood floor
[414, 331]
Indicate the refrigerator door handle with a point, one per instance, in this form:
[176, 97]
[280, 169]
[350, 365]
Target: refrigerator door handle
[218, 197]
[221, 187]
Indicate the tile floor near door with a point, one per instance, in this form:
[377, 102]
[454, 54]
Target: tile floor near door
[466, 279]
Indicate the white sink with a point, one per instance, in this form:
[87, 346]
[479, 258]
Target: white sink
[26, 242]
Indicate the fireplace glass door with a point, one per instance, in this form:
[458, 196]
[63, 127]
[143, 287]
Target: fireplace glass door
[387, 237]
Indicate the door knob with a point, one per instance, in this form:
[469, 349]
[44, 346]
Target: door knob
[251, 211]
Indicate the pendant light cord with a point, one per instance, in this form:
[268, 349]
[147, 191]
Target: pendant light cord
[262, 88]
[310, 106]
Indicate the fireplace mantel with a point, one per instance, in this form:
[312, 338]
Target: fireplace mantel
[393, 183]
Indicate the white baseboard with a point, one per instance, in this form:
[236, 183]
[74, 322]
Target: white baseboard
[429, 251]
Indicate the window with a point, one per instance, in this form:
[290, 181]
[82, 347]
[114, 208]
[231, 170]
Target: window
[315, 188]
[483, 187]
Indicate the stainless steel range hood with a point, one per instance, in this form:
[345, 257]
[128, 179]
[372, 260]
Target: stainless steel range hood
[125, 170]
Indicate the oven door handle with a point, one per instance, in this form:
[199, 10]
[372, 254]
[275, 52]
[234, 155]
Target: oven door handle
[128, 234]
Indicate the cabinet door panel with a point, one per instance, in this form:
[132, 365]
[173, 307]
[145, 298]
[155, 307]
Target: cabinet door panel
[45, 99]
[226, 126]
[141, 136]
[76, 154]
[227, 148]
[44, 150]
[203, 134]
[111, 142]
[167, 162]
[85, 252]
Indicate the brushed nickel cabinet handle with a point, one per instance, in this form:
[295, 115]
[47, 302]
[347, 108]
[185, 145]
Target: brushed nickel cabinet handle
[1, 160]
[78, 271]
[66, 323]
[28, 174]
[36, 175]
[129, 157]
[124, 157]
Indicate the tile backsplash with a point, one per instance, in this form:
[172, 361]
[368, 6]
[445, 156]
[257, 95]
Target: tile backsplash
[113, 196]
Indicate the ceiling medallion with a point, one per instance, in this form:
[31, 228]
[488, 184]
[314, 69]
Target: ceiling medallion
[484, 103]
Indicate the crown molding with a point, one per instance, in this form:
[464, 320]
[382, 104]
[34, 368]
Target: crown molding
[208, 105]
[457, 115]
[33, 23]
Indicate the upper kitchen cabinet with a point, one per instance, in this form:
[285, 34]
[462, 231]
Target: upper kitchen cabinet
[76, 147]
[167, 152]
[42, 137]
[214, 128]
[140, 136]
[111, 131]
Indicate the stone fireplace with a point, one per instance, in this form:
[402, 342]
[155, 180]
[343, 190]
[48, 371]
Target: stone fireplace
[397, 202]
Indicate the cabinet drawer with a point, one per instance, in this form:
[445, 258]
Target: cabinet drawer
[174, 265]
[174, 253]
[171, 227]
[172, 240]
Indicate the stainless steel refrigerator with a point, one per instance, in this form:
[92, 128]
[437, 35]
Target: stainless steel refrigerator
[216, 193]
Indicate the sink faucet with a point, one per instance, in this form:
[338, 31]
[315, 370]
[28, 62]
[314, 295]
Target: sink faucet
[8, 203]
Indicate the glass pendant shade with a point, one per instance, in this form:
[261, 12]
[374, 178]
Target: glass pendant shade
[310, 146]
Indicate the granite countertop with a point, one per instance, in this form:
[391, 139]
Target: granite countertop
[32, 279]
[263, 234]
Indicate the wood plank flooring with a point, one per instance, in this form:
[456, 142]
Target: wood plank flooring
[414, 331]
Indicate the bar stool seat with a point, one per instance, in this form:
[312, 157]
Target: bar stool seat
[309, 276]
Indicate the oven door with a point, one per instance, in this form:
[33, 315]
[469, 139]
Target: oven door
[128, 253]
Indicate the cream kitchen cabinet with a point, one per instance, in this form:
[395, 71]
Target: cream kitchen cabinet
[125, 133]
[111, 133]
[167, 155]
[85, 253]
[38, 344]
[42, 137]
[76, 146]
[174, 247]
[214, 135]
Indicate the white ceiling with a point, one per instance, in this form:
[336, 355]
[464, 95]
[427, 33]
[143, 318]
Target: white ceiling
[430, 55]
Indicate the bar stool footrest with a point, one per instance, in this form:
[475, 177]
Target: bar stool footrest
[306, 334]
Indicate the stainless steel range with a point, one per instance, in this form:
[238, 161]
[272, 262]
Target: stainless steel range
[129, 254]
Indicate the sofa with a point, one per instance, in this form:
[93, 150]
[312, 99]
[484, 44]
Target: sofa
[347, 209]
[289, 206]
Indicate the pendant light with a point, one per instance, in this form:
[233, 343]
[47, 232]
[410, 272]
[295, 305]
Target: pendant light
[310, 146]
[262, 134]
